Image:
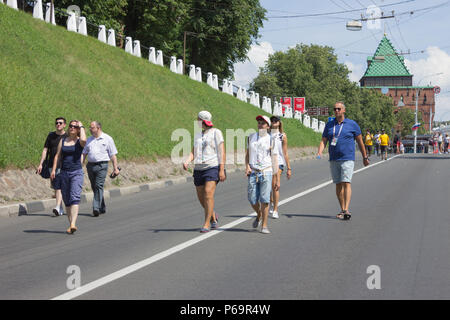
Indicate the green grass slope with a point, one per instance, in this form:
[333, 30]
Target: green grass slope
[46, 72]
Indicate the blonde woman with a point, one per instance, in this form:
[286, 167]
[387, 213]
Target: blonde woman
[69, 153]
[281, 143]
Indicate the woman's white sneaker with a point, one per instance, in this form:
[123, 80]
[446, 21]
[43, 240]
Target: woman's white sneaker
[275, 215]
[265, 230]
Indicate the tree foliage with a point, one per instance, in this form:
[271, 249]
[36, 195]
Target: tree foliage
[219, 32]
[313, 72]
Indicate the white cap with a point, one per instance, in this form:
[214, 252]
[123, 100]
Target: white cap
[206, 117]
[265, 118]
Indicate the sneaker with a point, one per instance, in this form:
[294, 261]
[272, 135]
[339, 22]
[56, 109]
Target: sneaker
[265, 230]
[275, 215]
[56, 211]
[256, 223]
[95, 213]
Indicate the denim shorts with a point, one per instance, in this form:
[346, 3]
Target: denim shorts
[342, 171]
[201, 176]
[259, 187]
[281, 166]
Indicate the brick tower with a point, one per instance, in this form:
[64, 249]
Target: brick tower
[387, 69]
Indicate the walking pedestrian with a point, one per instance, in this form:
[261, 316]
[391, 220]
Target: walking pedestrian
[376, 137]
[47, 158]
[341, 134]
[281, 143]
[69, 151]
[396, 142]
[99, 150]
[261, 163]
[368, 142]
[446, 143]
[208, 154]
[440, 140]
[384, 144]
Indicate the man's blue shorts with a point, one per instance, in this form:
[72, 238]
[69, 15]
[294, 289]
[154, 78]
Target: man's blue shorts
[342, 171]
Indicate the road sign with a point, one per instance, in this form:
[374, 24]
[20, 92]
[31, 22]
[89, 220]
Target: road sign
[437, 89]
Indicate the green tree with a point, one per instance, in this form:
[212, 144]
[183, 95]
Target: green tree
[313, 72]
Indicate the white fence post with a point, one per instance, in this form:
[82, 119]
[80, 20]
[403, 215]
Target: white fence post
[173, 64]
[198, 74]
[159, 58]
[180, 66]
[12, 4]
[215, 82]
[321, 126]
[192, 72]
[48, 12]
[209, 80]
[129, 45]
[102, 33]
[225, 86]
[37, 10]
[111, 37]
[152, 55]
[137, 48]
[82, 27]
[71, 22]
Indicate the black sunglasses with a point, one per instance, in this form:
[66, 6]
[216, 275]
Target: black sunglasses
[337, 109]
[58, 122]
[72, 126]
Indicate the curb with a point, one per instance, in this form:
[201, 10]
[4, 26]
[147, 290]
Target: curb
[26, 208]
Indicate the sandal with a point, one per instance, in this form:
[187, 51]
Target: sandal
[347, 215]
[214, 223]
[340, 215]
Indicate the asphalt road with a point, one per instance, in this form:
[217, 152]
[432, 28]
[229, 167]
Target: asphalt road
[400, 225]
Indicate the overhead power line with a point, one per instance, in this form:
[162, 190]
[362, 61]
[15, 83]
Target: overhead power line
[336, 12]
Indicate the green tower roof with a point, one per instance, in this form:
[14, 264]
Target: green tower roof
[386, 62]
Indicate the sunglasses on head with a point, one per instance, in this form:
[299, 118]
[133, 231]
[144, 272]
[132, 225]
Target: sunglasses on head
[72, 126]
[59, 122]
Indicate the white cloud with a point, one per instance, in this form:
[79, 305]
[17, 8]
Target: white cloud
[357, 71]
[245, 72]
[436, 61]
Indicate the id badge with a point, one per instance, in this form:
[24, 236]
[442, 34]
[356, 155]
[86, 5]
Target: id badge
[334, 142]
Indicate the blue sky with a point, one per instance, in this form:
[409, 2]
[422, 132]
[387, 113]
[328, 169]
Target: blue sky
[425, 33]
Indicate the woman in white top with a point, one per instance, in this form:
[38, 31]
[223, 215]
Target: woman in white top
[283, 160]
[208, 154]
[261, 160]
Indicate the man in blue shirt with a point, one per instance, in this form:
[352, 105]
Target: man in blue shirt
[341, 133]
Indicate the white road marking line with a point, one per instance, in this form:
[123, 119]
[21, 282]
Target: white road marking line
[164, 254]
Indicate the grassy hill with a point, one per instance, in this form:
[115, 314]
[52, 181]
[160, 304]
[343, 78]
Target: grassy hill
[46, 72]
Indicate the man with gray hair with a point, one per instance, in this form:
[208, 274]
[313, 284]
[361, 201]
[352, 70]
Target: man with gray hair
[99, 150]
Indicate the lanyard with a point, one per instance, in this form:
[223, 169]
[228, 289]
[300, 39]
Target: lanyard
[340, 129]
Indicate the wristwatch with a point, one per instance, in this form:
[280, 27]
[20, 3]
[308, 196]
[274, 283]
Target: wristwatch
[366, 158]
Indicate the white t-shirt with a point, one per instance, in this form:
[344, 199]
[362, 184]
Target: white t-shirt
[260, 151]
[100, 149]
[206, 149]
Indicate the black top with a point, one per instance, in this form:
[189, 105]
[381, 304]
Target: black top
[52, 145]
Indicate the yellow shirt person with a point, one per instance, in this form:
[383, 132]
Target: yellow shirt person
[384, 139]
[368, 139]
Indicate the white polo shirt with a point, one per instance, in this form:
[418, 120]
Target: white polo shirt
[100, 149]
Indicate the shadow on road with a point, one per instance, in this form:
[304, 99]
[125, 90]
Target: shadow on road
[198, 229]
[310, 216]
[43, 231]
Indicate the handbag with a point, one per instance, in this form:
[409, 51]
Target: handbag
[45, 173]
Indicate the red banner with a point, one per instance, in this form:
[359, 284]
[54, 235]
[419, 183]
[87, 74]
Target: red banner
[286, 102]
[299, 104]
